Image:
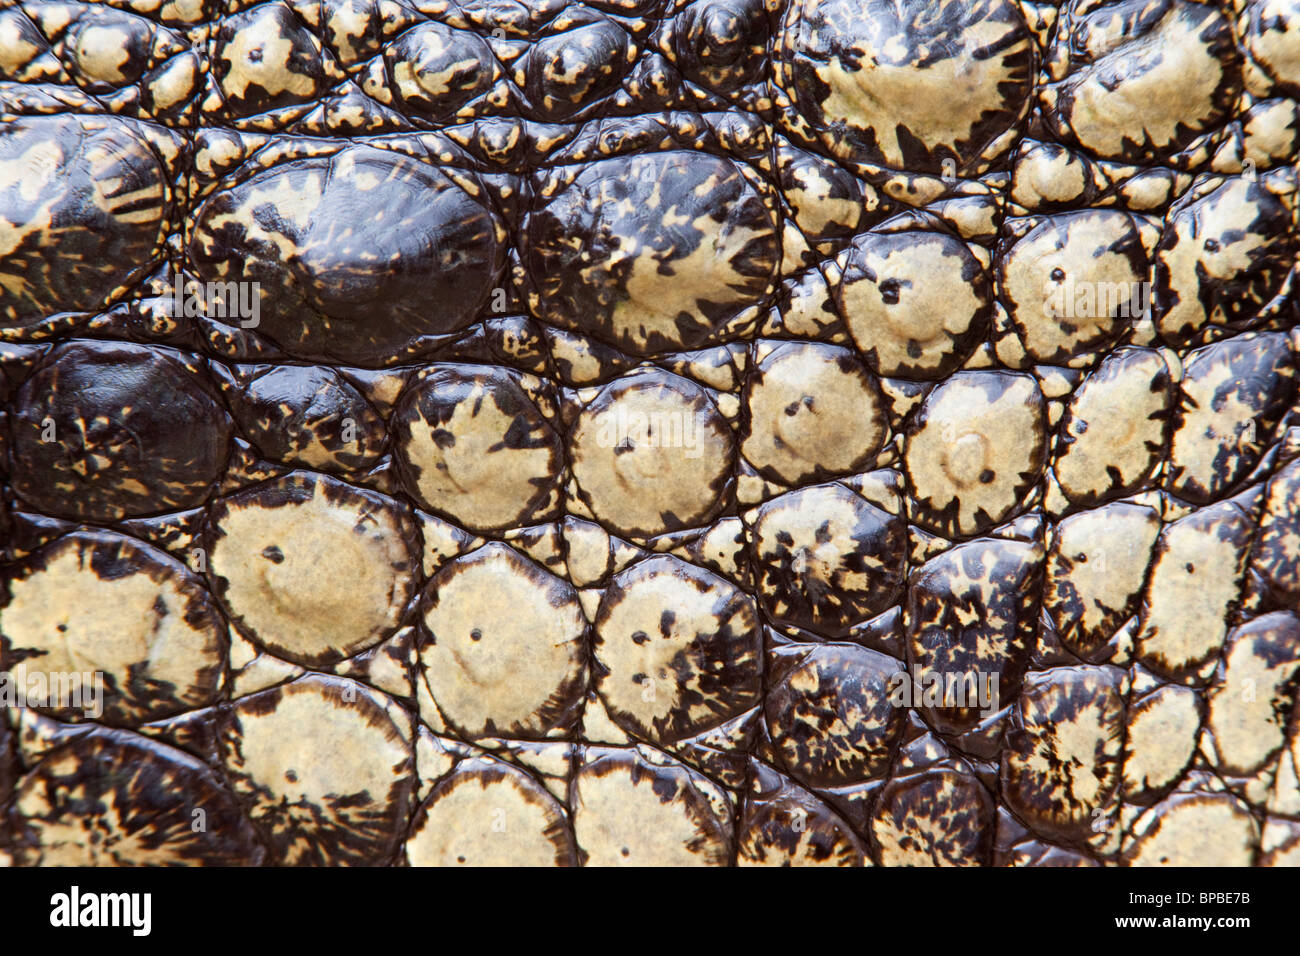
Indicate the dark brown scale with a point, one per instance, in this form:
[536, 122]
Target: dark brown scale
[308, 416]
[98, 782]
[106, 430]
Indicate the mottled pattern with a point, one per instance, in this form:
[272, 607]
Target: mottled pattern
[661, 432]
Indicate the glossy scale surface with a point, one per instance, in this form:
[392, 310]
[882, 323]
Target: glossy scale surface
[630, 392]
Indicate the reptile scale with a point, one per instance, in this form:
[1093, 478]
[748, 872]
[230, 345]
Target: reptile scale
[652, 432]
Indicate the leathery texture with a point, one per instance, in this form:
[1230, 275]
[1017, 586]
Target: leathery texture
[735, 432]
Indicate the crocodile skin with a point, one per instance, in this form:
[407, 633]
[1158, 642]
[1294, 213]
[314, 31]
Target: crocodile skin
[639, 403]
